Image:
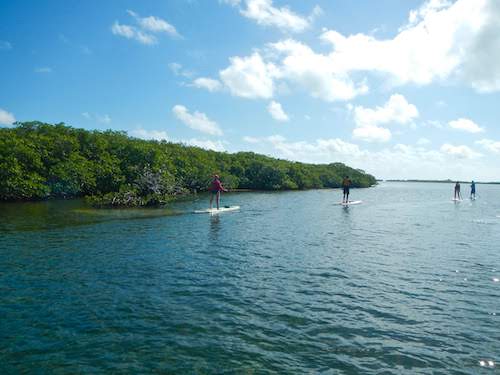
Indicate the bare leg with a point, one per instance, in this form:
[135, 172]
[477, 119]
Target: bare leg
[217, 198]
[347, 198]
[211, 199]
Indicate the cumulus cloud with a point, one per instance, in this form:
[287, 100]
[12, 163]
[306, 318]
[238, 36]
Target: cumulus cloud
[302, 67]
[6, 118]
[196, 120]
[249, 77]
[395, 110]
[442, 40]
[460, 152]
[158, 135]
[465, 125]
[368, 121]
[448, 41]
[293, 64]
[276, 111]
[372, 134]
[490, 145]
[209, 84]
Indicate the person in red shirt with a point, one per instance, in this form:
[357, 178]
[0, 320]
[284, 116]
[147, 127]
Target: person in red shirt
[215, 190]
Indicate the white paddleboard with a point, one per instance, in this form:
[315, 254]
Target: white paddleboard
[456, 200]
[215, 211]
[350, 203]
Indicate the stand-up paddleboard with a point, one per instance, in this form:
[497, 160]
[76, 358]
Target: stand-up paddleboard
[456, 200]
[350, 203]
[215, 211]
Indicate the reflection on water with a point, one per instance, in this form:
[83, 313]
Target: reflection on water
[405, 283]
[214, 227]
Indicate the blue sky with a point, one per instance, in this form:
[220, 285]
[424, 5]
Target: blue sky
[402, 89]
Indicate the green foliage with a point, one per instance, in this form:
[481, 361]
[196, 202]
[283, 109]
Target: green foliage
[40, 160]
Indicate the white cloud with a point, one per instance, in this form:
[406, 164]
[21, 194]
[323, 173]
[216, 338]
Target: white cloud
[264, 13]
[130, 32]
[206, 144]
[460, 152]
[277, 112]
[399, 161]
[197, 120]
[372, 134]
[154, 24]
[395, 110]
[44, 69]
[209, 84]
[427, 8]
[315, 73]
[4, 45]
[442, 40]
[490, 145]
[249, 77]
[465, 125]
[158, 135]
[147, 26]
[6, 118]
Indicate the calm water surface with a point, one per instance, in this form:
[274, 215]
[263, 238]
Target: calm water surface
[406, 283]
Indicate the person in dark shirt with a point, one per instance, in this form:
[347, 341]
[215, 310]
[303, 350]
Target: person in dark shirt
[346, 185]
[457, 195]
[473, 190]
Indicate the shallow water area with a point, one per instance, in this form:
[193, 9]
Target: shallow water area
[405, 283]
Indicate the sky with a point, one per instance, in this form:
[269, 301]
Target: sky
[400, 89]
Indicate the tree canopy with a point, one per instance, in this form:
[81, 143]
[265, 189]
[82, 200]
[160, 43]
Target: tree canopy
[39, 160]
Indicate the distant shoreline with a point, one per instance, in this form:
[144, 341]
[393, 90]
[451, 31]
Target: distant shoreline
[444, 181]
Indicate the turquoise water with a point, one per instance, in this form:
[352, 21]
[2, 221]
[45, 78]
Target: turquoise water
[405, 283]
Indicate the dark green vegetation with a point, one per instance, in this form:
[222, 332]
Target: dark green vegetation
[39, 161]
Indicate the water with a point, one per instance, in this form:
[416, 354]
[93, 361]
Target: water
[406, 283]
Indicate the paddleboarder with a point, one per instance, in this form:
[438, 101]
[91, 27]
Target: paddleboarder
[473, 190]
[215, 189]
[457, 195]
[346, 185]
